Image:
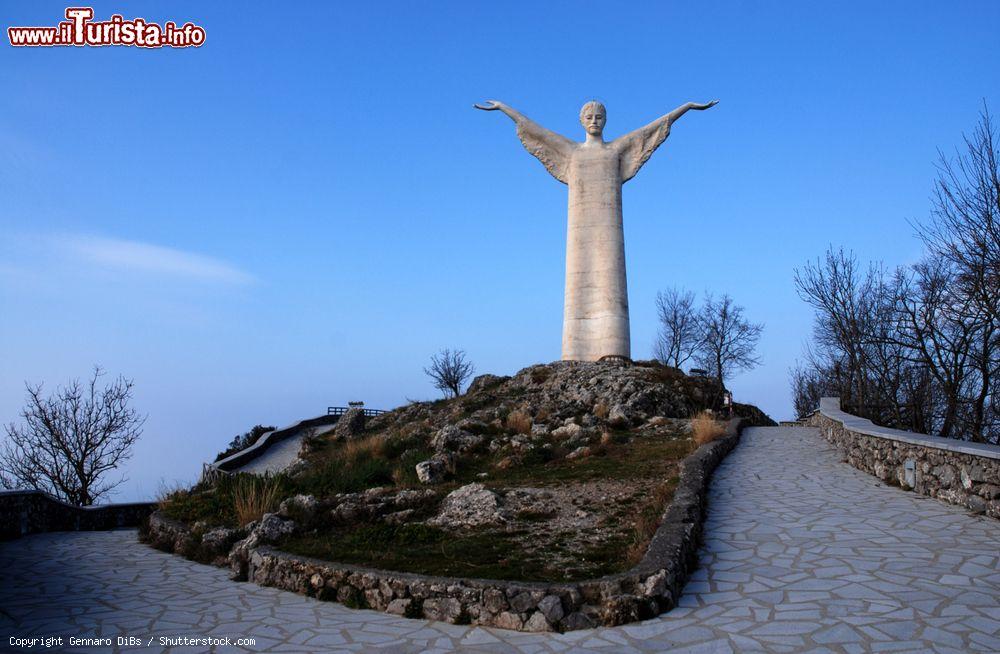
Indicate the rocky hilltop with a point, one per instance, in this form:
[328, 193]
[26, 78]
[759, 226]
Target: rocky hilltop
[593, 395]
[558, 473]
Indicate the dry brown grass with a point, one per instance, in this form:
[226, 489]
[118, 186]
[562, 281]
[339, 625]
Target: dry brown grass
[166, 494]
[705, 428]
[254, 496]
[648, 521]
[601, 410]
[373, 446]
[519, 421]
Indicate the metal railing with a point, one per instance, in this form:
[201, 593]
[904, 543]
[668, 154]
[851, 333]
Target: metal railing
[341, 410]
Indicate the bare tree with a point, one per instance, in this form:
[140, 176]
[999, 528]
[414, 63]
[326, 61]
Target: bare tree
[809, 384]
[71, 439]
[964, 231]
[844, 299]
[919, 349]
[449, 370]
[679, 335]
[965, 221]
[728, 340]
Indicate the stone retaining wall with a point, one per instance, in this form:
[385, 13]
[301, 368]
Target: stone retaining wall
[958, 472]
[648, 589]
[31, 511]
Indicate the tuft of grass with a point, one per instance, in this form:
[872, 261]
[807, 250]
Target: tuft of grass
[223, 502]
[350, 467]
[253, 496]
[705, 428]
[519, 421]
[168, 494]
[601, 410]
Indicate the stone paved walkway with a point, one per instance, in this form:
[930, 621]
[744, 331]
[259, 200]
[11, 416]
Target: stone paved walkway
[277, 457]
[804, 554]
[282, 454]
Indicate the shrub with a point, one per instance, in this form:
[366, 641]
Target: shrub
[705, 428]
[519, 421]
[188, 506]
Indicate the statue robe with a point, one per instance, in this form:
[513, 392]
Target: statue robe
[595, 312]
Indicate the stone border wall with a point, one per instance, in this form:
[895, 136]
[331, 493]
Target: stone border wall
[25, 512]
[648, 589]
[958, 472]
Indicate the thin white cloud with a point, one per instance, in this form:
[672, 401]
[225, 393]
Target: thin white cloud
[145, 257]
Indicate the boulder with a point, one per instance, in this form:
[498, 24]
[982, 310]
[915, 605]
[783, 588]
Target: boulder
[435, 469]
[576, 620]
[537, 622]
[946, 475]
[444, 609]
[272, 527]
[218, 540]
[522, 602]
[472, 505]
[508, 620]
[568, 431]
[301, 508]
[350, 425]
[618, 417]
[269, 529]
[551, 607]
[399, 606]
[452, 439]
[620, 609]
[482, 382]
[976, 504]
[494, 600]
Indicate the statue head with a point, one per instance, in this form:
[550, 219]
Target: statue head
[592, 117]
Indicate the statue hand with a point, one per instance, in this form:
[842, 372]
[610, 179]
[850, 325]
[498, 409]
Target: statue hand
[489, 105]
[702, 107]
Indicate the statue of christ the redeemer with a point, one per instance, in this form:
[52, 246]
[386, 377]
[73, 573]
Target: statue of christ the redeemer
[595, 316]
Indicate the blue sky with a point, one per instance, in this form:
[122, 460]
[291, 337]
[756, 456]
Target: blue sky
[302, 211]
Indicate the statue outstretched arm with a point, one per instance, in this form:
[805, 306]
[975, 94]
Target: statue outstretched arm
[553, 150]
[638, 146]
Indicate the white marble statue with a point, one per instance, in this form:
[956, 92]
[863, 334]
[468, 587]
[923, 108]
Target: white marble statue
[595, 317]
